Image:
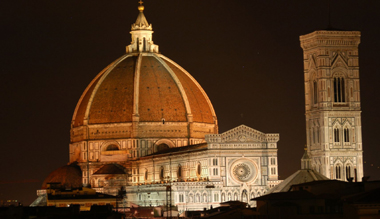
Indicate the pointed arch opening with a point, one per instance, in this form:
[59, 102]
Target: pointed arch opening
[339, 88]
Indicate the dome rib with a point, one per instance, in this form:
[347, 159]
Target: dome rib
[136, 114]
[80, 110]
[180, 87]
[94, 92]
[195, 82]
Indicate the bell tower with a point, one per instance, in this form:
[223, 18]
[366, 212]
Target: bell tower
[332, 103]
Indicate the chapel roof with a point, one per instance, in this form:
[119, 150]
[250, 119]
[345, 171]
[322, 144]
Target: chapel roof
[301, 176]
[190, 148]
[110, 169]
[68, 176]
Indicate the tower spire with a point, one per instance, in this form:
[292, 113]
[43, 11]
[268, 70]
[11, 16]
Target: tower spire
[141, 32]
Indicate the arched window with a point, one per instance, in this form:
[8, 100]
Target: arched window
[315, 92]
[346, 133]
[244, 196]
[162, 173]
[191, 198]
[229, 197]
[181, 198]
[223, 197]
[162, 146]
[252, 195]
[179, 173]
[198, 198]
[146, 175]
[235, 196]
[199, 169]
[338, 173]
[336, 135]
[112, 147]
[317, 134]
[348, 171]
[339, 90]
[204, 198]
[137, 44]
[144, 44]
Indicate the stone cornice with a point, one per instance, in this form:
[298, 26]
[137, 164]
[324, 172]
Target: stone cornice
[330, 38]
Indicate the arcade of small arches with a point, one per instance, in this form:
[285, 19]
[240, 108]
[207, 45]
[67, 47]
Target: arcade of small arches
[219, 196]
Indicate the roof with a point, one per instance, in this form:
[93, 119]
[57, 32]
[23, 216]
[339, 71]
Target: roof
[372, 196]
[68, 176]
[80, 196]
[301, 176]
[141, 23]
[202, 146]
[110, 169]
[149, 87]
[295, 195]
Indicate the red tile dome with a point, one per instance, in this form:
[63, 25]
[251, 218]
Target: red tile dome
[144, 88]
[69, 176]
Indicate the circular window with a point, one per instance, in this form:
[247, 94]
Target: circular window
[243, 170]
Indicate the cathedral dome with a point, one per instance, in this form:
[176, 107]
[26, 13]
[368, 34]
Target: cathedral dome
[69, 176]
[143, 94]
[146, 86]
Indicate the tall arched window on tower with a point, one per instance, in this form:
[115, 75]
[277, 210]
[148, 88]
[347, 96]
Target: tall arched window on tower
[346, 133]
[348, 171]
[317, 134]
[338, 173]
[315, 92]
[339, 90]
[336, 135]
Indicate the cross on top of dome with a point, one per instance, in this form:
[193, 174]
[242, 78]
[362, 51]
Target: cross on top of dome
[141, 7]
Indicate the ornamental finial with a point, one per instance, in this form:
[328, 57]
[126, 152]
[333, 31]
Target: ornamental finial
[141, 7]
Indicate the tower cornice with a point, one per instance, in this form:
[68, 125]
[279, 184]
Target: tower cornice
[323, 38]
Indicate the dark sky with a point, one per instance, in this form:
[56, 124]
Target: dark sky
[246, 55]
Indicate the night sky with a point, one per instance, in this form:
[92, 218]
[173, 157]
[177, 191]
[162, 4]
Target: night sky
[245, 54]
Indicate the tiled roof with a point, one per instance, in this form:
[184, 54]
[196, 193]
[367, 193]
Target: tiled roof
[202, 146]
[301, 176]
[164, 91]
[110, 169]
[69, 176]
